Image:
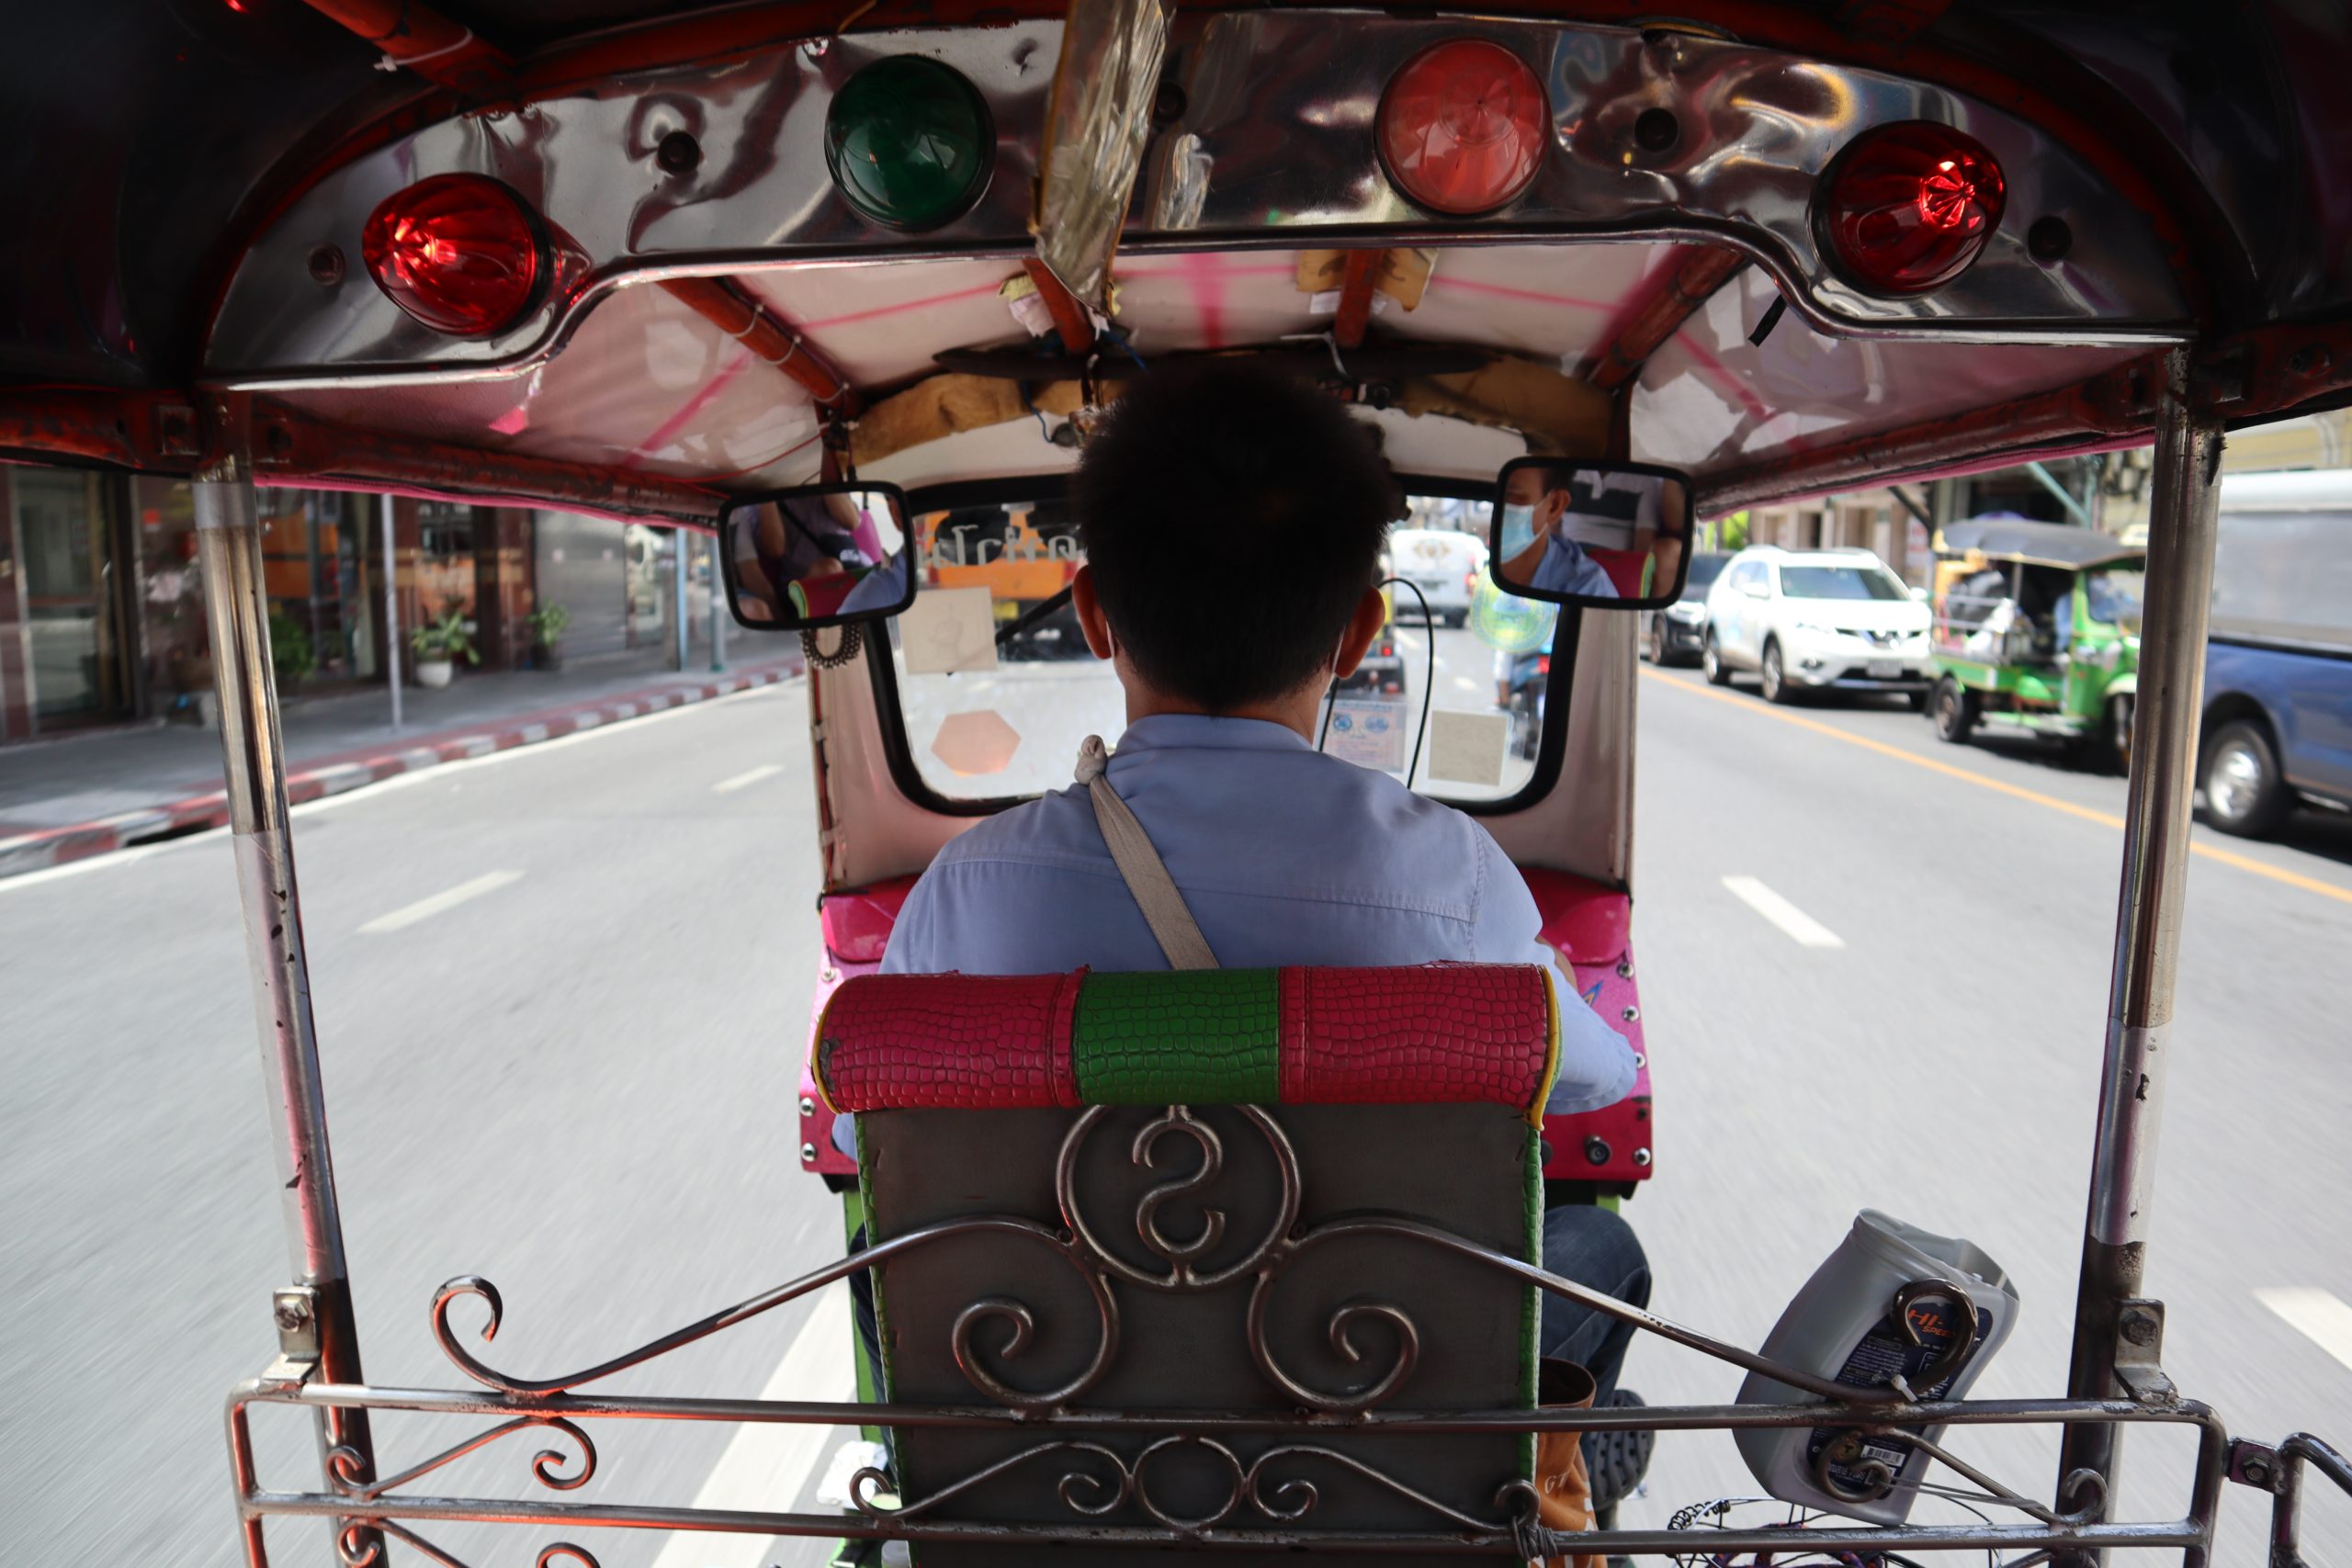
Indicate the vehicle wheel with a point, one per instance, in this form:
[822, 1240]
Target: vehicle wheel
[1773, 679]
[1657, 644]
[2244, 794]
[2118, 734]
[1954, 710]
[1711, 660]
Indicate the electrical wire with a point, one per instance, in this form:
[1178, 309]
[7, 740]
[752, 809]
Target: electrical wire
[1429, 678]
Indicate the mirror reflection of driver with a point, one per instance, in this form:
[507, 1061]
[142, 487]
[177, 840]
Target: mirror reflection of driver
[800, 560]
[1545, 533]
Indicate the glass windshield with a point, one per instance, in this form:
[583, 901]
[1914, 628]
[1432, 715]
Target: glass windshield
[1840, 582]
[1704, 569]
[998, 688]
[2113, 597]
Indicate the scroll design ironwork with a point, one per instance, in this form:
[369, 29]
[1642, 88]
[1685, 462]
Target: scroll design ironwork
[345, 1467]
[358, 1549]
[1082, 1247]
[1282, 1499]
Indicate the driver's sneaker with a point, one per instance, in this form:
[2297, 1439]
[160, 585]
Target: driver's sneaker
[1617, 1460]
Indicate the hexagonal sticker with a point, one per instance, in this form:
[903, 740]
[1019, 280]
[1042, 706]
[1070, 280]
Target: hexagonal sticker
[976, 743]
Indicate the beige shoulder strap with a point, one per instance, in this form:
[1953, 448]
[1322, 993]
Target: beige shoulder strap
[1140, 867]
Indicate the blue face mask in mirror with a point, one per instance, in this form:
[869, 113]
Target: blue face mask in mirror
[1519, 530]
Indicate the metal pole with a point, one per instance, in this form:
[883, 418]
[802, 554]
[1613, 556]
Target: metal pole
[2147, 936]
[391, 613]
[229, 554]
[678, 537]
[717, 610]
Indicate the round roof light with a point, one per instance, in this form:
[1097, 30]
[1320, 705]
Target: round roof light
[1906, 207]
[909, 142]
[460, 253]
[1462, 128]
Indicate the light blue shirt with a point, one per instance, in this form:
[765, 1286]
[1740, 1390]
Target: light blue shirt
[1284, 855]
[1566, 568]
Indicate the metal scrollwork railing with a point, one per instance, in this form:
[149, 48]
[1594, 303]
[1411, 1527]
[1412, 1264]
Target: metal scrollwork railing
[1264, 1499]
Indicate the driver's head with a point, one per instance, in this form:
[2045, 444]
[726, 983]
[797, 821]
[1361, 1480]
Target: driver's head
[1542, 490]
[1231, 516]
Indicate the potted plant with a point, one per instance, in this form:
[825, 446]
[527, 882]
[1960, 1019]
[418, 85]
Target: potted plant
[290, 653]
[439, 643]
[547, 624]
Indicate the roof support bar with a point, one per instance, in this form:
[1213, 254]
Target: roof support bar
[1362, 270]
[317, 1334]
[1070, 321]
[2113, 1325]
[746, 320]
[420, 39]
[1657, 309]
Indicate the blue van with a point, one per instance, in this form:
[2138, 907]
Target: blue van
[2279, 667]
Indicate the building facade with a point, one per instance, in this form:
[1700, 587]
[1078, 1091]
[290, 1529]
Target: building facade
[102, 618]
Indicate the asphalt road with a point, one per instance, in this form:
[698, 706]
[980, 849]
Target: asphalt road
[577, 1080]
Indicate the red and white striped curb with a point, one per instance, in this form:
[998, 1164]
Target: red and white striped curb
[55, 846]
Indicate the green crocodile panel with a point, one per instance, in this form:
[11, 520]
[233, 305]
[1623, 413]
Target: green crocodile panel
[1202, 1037]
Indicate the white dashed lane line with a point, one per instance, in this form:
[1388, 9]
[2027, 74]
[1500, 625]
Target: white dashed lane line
[749, 776]
[1794, 923]
[2318, 1315]
[767, 1465]
[426, 909]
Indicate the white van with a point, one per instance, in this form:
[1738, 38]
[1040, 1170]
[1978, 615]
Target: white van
[1445, 564]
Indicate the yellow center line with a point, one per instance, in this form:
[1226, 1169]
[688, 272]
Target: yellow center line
[2105, 819]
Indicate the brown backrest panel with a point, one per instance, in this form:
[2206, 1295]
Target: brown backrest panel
[1463, 1169]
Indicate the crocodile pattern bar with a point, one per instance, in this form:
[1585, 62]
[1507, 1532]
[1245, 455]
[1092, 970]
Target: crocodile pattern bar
[1214, 1041]
[948, 1041]
[1431, 1035]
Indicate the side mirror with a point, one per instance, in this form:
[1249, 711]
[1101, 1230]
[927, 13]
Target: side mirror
[1754, 588]
[1920, 594]
[1594, 535]
[827, 554]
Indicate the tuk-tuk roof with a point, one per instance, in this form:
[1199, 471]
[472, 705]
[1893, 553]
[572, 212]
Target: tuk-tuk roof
[2035, 544]
[175, 162]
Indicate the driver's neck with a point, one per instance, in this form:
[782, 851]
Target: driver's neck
[1296, 710]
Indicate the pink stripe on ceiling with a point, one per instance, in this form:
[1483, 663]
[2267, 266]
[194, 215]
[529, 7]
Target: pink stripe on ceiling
[1729, 380]
[1205, 277]
[686, 410]
[877, 312]
[1444, 284]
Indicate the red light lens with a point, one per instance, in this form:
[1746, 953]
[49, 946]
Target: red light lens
[1462, 127]
[1908, 206]
[459, 253]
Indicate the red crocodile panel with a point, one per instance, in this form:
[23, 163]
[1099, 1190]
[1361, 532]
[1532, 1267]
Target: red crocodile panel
[1436, 1033]
[1584, 919]
[858, 922]
[963, 1040]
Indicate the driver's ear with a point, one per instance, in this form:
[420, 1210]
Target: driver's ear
[1371, 615]
[1090, 619]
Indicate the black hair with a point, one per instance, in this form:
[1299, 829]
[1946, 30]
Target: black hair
[1232, 516]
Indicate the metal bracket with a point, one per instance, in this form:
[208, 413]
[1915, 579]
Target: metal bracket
[2139, 1352]
[2254, 1464]
[294, 1310]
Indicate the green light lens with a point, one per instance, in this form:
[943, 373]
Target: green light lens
[909, 142]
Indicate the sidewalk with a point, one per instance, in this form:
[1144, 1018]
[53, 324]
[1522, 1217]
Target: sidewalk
[85, 795]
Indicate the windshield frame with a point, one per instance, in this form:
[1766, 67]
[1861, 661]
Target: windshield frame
[898, 749]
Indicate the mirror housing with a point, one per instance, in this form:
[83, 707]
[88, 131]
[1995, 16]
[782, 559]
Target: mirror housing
[1597, 535]
[822, 555]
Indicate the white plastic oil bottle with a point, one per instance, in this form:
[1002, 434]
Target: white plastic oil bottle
[1841, 1326]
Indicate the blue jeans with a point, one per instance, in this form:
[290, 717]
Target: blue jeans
[1597, 1249]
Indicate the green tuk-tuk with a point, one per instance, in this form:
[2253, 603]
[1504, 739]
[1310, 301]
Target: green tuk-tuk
[2037, 628]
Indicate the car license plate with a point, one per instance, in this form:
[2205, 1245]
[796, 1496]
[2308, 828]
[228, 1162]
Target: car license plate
[1885, 669]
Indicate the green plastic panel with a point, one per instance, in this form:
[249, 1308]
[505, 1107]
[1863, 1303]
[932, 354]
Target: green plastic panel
[1204, 1037]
